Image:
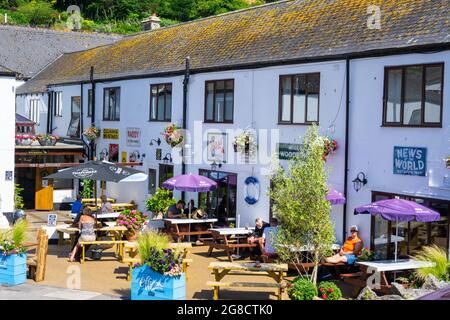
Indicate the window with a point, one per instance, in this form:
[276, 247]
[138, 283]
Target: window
[151, 181]
[161, 102]
[34, 110]
[111, 104]
[413, 96]
[219, 101]
[299, 99]
[57, 101]
[74, 126]
[89, 111]
[165, 173]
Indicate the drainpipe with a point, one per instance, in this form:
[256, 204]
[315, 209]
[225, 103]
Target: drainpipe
[49, 110]
[92, 144]
[185, 97]
[81, 111]
[347, 117]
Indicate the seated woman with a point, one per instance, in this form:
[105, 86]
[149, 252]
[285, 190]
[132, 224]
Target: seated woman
[351, 248]
[87, 232]
[106, 205]
[267, 242]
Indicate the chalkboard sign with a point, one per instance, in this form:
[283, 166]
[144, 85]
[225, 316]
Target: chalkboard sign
[410, 161]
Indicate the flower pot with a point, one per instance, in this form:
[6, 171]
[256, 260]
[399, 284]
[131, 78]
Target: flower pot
[47, 142]
[147, 284]
[24, 142]
[13, 269]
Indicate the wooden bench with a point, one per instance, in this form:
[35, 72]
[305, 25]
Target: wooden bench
[216, 285]
[37, 262]
[119, 243]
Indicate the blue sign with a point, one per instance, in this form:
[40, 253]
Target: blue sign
[410, 161]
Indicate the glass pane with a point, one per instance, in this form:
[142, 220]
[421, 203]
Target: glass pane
[106, 105]
[229, 106]
[401, 238]
[220, 101]
[413, 96]
[210, 101]
[286, 99]
[161, 102]
[313, 98]
[117, 103]
[168, 110]
[299, 99]
[433, 94]
[394, 95]
[151, 181]
[439, 229]
[153, 102]
[380, 237]
[418, 234]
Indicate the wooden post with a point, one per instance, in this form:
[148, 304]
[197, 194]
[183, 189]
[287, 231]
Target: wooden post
[82, 253]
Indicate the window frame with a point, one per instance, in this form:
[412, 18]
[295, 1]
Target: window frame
[205, 120]
[34, 103]
[280, 100]
[71, 117]
[403, 68]
[157, 103]
[104, 103]
[57, 102]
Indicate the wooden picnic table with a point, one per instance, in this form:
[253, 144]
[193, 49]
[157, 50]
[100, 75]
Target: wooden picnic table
[115, 206]
[172, 227]
[275, 271]
[92, 200]
[221, 240]
[117, 232]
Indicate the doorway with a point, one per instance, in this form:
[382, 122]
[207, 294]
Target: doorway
[44, 190]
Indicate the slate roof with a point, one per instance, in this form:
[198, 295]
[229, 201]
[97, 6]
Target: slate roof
[5, 71]
[272, 33]
[21, 120]
[27, 50]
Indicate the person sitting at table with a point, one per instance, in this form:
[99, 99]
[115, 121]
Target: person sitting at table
[175, 211]
[190, 206]
[77, 207]
[257, 234]
[266, 243]
[87, 231]
[350, 250]
[106, 205]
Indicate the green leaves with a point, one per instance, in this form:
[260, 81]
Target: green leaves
[18, 199]
[161, 201]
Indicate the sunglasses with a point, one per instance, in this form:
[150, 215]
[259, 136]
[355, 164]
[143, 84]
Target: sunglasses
[353, 230]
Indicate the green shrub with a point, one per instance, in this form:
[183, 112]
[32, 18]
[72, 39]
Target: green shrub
[88, 25]
[161, 201]
[38, 12]
[88, 188]
[18, 199]
[438, 256]
[302, 289]
[149, 241]
[329, 291]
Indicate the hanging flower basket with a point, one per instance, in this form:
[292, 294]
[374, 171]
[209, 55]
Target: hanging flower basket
[245, 143]
[92, 133]
[173, 135]
[47, 139]
[330, 146]
[25, 139]
[447, 162]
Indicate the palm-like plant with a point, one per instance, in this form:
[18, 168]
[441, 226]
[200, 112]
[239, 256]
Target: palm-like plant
[11, 241]
[149, 241]
[439, 258]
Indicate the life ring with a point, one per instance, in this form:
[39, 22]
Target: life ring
[251, 198]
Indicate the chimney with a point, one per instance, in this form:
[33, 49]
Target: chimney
[151, 23]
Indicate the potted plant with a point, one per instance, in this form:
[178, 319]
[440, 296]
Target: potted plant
[47, 139]
[302, 288]
[366, 255]
[160, 202]
[172, 135]
[13, 258]
[25, 139]
[159, 276]
[330, 146]
[133, 220]
[92, 133]
[329, 291]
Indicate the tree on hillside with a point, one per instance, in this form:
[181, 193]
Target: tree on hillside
[299, 203]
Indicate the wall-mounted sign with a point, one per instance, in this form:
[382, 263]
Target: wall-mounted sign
[410, 161]
[287, 151]
[112, 134]
[52, 218]
[124, 156]
[158, 154]
[114, 152]
[133, 137]
[8, 175]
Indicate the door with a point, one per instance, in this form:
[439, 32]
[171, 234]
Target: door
[44, 190]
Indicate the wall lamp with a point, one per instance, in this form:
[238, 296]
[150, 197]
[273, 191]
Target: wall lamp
[215, 165]
[360, 181]
[158, 141]
[167, 158]
[136, 155]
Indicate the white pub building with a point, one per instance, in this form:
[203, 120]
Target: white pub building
[372, 77]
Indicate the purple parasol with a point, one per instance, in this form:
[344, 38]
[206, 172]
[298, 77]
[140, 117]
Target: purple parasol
[190, 183]
[335, 197]
[400, 210]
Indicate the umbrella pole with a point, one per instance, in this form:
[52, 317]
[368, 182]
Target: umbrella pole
[95, 197]
[396, 239]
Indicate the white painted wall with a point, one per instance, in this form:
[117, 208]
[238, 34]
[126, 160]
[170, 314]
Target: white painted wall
[23, 108]
[371, 145]
[7, 129]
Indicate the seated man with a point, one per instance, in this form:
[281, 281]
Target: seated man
[175, 211]
[257, 236]
[351, 248]
[77, 207]
[267, 241]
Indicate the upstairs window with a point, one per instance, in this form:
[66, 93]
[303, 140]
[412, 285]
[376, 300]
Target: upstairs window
[57, 100]
[219, 101]
[299, 99]
[161, 102]
[111, 104]
[34, 111]
[74, 126]
[413, 96]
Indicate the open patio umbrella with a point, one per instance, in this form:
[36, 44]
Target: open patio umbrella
[399, 210]
[335, 197]
[100, 171]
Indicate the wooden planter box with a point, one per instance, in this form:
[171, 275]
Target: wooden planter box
[13, 269]
[147, 284]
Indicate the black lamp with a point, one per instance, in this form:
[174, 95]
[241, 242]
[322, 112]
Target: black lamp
[360, 181]
[168, 158]
[215, 165]
[158, 141]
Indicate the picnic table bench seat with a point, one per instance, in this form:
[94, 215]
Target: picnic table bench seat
[119, 243]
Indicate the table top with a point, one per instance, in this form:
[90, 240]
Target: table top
[107, 215]
[232, 231]
[69, 229]
[188, 221]
[248, 266]
[391, 265]
[89, 200]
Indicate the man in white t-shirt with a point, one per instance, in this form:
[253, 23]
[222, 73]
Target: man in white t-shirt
[267, 242]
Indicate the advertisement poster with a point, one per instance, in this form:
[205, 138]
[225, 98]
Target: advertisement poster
[124, 157]
[112, 134]
[217, 143]
[133, 137]
[114, 152]
[410, 161]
